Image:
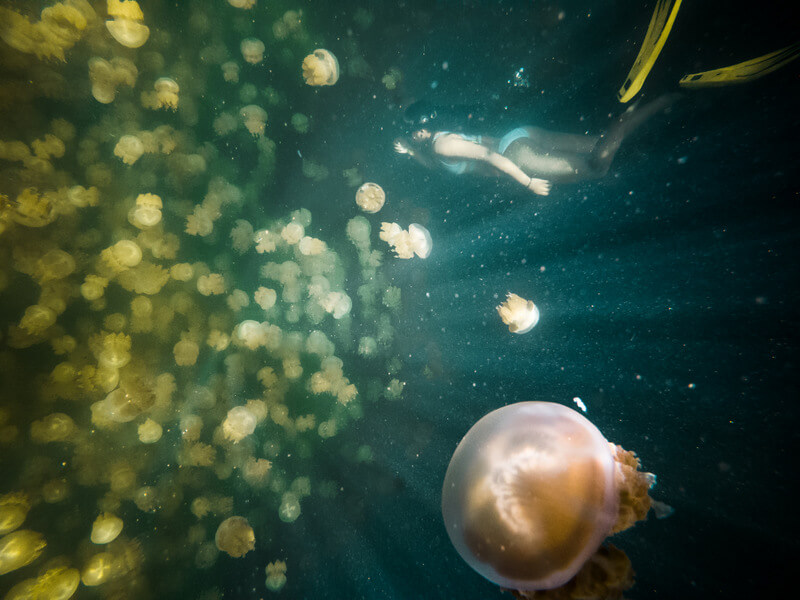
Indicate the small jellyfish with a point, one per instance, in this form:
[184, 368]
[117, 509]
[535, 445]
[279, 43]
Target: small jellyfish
[370, 197]
[519, 314]
[320, 68]
[420, 240]
[276, 575]
[532, 491]
[252, 50]
[167, 90]
[254, 118]
[235, 537]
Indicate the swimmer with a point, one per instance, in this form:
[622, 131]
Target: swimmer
[532, 156]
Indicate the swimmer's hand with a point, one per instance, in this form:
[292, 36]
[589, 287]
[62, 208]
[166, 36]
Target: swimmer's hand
[539, 186]
[401, 148]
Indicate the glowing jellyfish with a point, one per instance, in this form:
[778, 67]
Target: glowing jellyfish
[531, 492]
[148, 211]
[14, 508]
[98, 569]
[129, 33]
[106, 528]
[129, 148]
[420, 240]
[167, 90]
[235, 537]
[519, 314]
[252, 50]
[238, 424]
[370, 197]
[20, 548]
[320, 68]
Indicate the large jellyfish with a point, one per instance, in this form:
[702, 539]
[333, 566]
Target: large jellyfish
[532, 491]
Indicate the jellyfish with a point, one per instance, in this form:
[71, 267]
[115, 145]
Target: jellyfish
[235, 537]
[98, 569]
[238, 424]
[320, 68]
[252, 50]
[106, 528]
[519, 314]
[148, 211]
[14, 509]
[420, 240]
[129, 148]
[370, 197]
[167, 90]
[254, 118]
[128, 32]
[20, 548]
[532, 491]
[276, 575]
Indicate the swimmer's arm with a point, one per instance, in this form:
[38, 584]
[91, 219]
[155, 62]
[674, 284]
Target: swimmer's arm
[454, 146]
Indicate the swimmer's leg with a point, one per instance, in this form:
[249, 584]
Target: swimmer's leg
[557, 142]
[603, 153]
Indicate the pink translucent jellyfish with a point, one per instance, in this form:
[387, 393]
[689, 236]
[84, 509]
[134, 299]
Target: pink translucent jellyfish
[532, 491]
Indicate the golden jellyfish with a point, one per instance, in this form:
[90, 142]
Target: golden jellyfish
[14, 508]
[37, 319]
[99, 569]
[235, 537]
[519, 314]
[20, 548]
[238, 424]
[420, 240]
[106, 528]
[129, 148]
[149, 432]
[292, 233]
[107, 76]
[265, 297]
[55, 427]
[230, 72]
[148, 211]
[531, 492]
[252, 50]
[186, 351]
[166, 94]
[254, 118]
[310, 246]
[243, 4]
[370, 197]
[300, 123]
[55, 264]
[320, 68]
[276, 575]
[121, 256]
[59, 583]
[93, 287]
[126, 26]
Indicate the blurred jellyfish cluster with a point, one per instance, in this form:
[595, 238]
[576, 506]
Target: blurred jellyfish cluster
[175, 352]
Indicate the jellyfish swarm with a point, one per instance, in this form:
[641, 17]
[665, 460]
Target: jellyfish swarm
[532, 491]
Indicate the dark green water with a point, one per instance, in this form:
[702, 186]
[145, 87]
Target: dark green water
[668, 292]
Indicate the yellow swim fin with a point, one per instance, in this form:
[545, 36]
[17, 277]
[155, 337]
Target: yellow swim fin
[744, 71]
[657, 33]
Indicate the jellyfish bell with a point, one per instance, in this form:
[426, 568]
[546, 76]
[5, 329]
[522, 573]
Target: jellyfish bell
[320, 68]
[530, 494]
[421, 240]
[370, 197]
[519, 314]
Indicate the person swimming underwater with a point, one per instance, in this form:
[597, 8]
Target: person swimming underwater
[532, 156]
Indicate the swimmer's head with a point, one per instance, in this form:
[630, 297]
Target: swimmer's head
[420, 115]
[421, 135]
